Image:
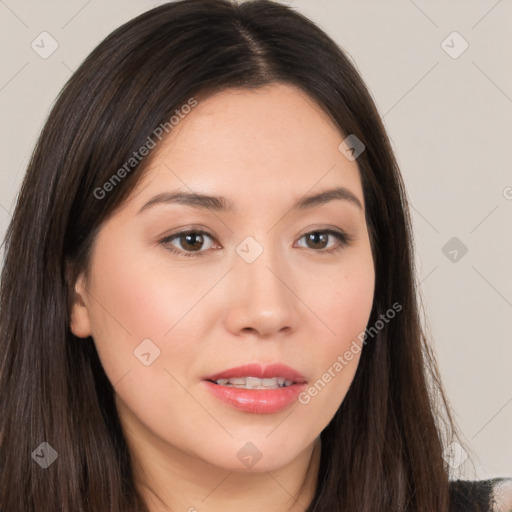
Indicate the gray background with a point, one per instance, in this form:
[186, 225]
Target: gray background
[450, 121]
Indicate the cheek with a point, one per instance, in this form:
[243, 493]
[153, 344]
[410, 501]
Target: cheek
[342, 299]
[127, 304]
[345, 315]
[351, 306]
[136, 298]
[342, 307]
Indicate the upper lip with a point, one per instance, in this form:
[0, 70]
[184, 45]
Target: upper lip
[259, 371]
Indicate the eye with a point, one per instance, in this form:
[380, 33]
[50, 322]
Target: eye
[188, 240]
[192, 241]
[320, 238]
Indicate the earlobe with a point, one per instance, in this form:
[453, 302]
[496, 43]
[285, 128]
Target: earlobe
[80, 321]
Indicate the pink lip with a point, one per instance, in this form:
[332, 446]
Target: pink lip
[259, 371]
[257, 401]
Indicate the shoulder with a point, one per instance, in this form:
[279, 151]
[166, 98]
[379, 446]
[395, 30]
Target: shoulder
[493, 495]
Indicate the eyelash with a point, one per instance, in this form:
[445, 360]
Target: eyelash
[343, 238]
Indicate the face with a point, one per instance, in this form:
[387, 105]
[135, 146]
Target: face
[180, 291]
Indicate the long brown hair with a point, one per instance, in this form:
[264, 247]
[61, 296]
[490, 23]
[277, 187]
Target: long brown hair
[383, 449]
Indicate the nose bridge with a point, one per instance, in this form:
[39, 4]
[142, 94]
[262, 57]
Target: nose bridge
[262, 299]
[259, 264]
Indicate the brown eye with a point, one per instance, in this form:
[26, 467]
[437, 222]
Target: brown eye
[190, 242]
[318, 240]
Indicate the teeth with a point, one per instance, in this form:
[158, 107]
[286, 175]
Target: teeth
[236, 380]
[255, 383]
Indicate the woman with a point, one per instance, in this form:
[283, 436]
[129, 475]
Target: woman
[213, 207]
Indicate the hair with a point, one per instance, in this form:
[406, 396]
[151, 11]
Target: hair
[383, 449]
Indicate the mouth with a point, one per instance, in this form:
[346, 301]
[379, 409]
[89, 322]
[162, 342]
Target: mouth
[257, 389]
[254, 382]
[257, 376]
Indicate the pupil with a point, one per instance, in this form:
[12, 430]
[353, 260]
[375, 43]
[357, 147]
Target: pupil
[192, 236]
[316, 235]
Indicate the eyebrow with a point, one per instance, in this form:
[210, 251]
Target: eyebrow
[222, 204]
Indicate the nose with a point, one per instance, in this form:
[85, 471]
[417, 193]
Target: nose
[261, 298]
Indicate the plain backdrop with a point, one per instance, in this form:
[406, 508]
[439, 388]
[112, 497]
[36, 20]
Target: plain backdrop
[440, 73]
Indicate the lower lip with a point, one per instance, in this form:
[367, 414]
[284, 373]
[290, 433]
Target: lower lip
[256, 401]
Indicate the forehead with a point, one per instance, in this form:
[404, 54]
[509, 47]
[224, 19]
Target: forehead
[269, 142]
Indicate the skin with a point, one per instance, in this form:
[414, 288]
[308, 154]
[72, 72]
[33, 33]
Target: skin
[263, 150]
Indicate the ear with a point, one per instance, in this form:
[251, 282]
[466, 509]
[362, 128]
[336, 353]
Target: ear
[80, 319]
